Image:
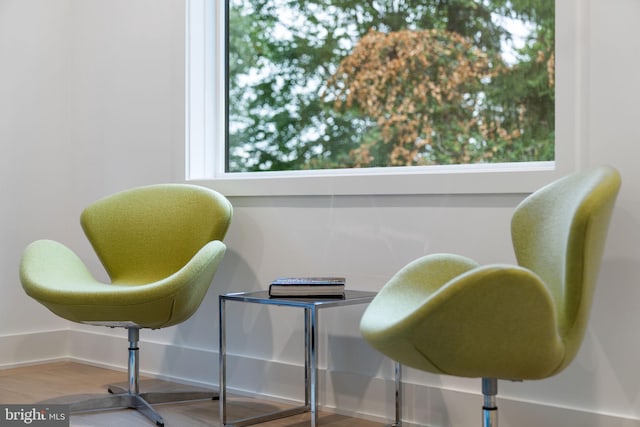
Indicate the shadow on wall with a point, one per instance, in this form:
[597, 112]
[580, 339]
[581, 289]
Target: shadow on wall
[615, 317]
[614, 326]
[199, 334]
[234, 275]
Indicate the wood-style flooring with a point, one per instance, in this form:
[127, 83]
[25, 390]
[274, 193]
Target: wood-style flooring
[31, 384]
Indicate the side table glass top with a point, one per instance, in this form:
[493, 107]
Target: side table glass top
[262, 297]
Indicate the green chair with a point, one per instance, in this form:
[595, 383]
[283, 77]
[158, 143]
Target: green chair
[161, 246]
[447, 314]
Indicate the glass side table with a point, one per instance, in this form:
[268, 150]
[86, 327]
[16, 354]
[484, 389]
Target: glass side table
[311, 307]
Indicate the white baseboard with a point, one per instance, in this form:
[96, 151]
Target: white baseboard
[341, 392]
[33, 348]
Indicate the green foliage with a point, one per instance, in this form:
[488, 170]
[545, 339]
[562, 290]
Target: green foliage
[345, 83]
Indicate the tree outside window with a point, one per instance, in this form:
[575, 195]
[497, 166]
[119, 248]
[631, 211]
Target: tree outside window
[353, 84]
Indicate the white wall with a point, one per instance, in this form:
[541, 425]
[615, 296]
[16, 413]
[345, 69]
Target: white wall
[91, 102]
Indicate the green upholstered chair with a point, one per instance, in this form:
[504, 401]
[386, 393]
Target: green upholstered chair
[161, 246]
[447, 314]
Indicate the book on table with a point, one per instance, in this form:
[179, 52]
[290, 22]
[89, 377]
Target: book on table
[330, 287]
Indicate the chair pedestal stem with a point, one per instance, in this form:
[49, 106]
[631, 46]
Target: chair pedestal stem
[136, 401]
[489, 407]
[134, 361]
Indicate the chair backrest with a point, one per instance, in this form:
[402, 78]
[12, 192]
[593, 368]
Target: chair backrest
[559, 233]
[148, 233]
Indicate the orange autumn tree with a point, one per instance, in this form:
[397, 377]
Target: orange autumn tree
[425, 91]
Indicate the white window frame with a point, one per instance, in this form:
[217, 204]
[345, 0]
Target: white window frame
[205, 126]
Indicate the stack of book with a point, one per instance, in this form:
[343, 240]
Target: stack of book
[307, 287]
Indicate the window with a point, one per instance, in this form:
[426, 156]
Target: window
[324, 85]
[311, 144]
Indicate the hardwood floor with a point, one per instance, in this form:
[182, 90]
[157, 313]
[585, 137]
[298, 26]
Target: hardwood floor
[32, 384]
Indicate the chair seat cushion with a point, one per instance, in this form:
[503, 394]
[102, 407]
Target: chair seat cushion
[443, 314]
[55, 276]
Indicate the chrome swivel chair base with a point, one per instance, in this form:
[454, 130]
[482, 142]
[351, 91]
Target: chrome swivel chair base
[167, 396]
[131, 397]
[119, 398]
[118, 401]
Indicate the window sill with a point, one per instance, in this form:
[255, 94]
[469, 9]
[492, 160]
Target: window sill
[458, 179]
